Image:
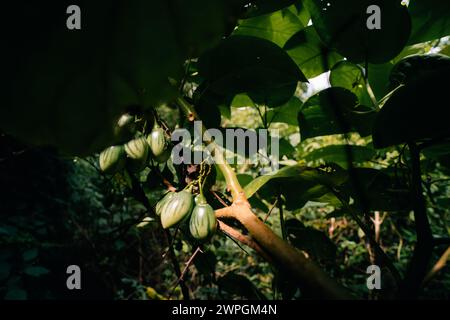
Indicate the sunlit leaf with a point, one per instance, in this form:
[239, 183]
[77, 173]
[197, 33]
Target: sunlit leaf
[310, 53]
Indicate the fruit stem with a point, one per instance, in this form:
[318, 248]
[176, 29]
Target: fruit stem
[230, 176]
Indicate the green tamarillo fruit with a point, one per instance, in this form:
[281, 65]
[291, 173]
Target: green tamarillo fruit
[137, 154]
[203, 222]
[176, 209]
[160, 205]
[125, 128]
[158, 143]
[112, 159]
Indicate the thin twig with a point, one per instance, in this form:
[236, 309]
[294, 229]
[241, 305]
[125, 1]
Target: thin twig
[219, 198]
[183, 273]
[400, 240]
[280, 209]
[271, 209]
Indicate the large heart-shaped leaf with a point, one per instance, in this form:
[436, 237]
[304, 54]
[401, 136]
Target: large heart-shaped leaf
[297, 183]
[414, 67]
[379, 73]
[415, 111]
[244, 64]
[310, 53]
[338, 154]
[430, 20]
[332, 111]
[262, 7]
[287, 113]
[343, 25]
[277, 27]
[201, 23]
[207, 104]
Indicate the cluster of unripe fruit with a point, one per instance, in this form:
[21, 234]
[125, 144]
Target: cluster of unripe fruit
[179, 207]
[136, 153]
[174, 208]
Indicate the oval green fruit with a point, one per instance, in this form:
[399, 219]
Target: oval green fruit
[137, 152]
[137, 149]
[158, 144]
[203, 221]
[176, 209]
[112, 159]
[125, 128]
[160, 205]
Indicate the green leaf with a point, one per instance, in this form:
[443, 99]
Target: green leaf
[207, 105]
[242, 100]
[277, 27]
[225, 111]
[309, 53]
[338, 154]
[437, 151]
[347, 75]
[244, 64]
[287, 113]
[8, 231]
[298, 183]
[379, 78]
[261, 7]
[286, 172]
[332, 111]
[379, 73]
[414, 112]
[344, 26]
[30, 254]
[257, 203]
[244, 179]
[414, 67]
[429, 20]
[202, 23]
[36, 271]
[285, 148]
[443, 202]
[16, 294]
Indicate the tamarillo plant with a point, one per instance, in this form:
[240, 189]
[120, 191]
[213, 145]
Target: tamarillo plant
[364, 162]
